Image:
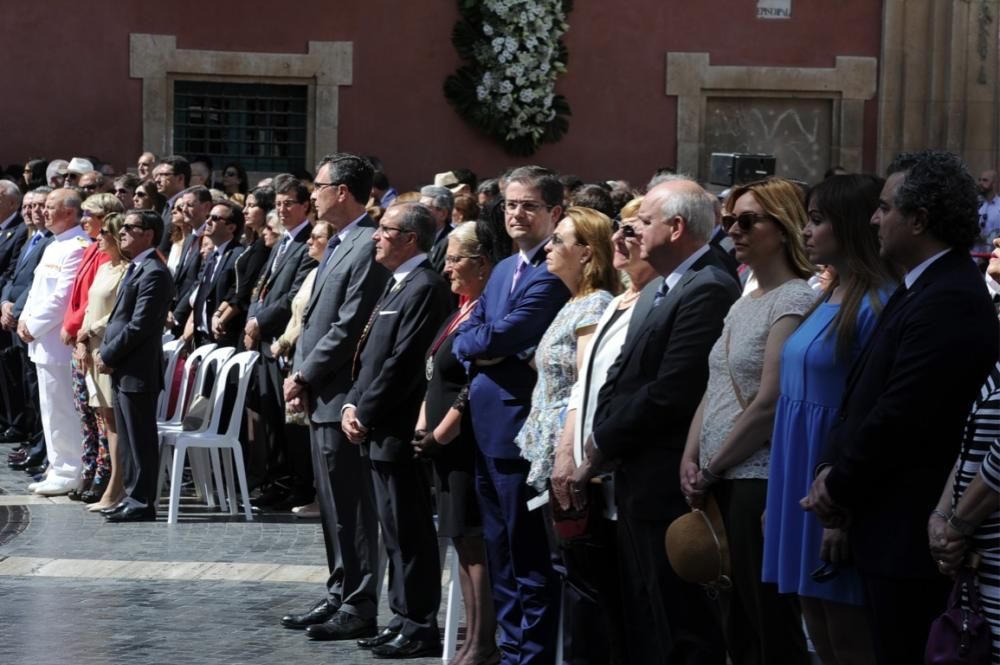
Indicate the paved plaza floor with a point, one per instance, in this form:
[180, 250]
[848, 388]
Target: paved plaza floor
[206, 591]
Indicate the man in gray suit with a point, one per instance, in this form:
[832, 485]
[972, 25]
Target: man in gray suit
[347, 285]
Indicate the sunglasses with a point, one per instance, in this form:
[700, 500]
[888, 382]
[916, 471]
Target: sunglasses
[218, 218]
[628, 230]
[744, 220]
[133, 228]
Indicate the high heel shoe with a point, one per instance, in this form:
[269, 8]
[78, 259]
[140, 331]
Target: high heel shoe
[104, 504]
[96, 490]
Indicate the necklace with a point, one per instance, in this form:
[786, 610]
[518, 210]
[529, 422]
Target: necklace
[462, 315]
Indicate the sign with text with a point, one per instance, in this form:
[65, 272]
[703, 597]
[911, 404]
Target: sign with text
[774, 9]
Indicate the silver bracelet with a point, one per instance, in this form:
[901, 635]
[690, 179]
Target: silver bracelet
[938, 513]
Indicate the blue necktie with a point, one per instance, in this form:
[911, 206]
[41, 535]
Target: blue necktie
[661, 293]
[330, 246]
[35, 239]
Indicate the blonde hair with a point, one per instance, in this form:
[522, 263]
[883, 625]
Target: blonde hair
[594, 229]
[631, 209]
[783, 201]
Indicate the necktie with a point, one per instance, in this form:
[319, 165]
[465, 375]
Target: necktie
[390, 288]
[661, 293]
[521, 265]
[35, 239]
[330, 246]
[128, 274]
[281, 252]
[209, 270]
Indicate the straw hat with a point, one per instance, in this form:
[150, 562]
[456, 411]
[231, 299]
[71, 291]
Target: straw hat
[697, 547]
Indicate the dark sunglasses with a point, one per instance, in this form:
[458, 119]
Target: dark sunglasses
[744, 220]
[217, 218]
[133, 228]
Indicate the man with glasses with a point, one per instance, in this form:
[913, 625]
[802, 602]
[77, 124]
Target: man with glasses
[348, 284]
[92, 183]
[218, 274]
[287, 267]
[132, 354]
[379, 414]
[172, 176]
[194, 204]
[40, 326]
[497, 342]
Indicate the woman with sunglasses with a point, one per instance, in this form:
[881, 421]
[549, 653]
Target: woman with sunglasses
[799, 555]
[147, 197]
[593, 567]
[100, 301]
[235, 183]
[94, 446]
[179, 232]
[727, 448]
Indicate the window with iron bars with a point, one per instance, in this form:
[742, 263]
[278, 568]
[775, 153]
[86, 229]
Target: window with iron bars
[261, 126]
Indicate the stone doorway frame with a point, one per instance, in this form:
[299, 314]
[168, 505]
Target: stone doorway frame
[849, 84]
[158, 62]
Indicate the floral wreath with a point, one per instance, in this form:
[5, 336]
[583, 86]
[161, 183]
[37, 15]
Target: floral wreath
[514, 53]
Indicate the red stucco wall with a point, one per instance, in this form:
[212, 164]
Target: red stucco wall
[68, 90]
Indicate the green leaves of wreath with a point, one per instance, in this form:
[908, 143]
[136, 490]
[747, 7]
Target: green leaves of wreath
[513, 53]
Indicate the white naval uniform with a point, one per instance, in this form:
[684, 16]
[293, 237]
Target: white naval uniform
[43, 316]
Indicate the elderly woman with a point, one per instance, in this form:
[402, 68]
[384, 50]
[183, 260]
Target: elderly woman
[444, 434]
[101, 300]
[800, 556]
[579, 254]
[591, 571]
[94, 447]
[727, 446]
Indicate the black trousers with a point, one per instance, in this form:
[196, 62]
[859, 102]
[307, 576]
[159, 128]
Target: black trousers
[402, 501]
[22, 406]
[350, 525]
[667, 620]
[138, 444]
[901, 611]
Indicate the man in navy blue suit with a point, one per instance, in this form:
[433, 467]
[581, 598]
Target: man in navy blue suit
[497, 343]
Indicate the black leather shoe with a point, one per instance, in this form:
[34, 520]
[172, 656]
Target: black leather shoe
[113, 509]
[133, 514]
[407, 647]
[385, 635]
[35, 470]
[321, 612]
[343, 626]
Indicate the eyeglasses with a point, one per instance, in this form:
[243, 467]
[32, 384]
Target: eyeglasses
[141, 194]
[321, 185]
[133, 228]
[218, 218]
[105, 232]
[557, 241]
[452, 259]
[384, 230]
[744, 220]
[88, 188]
[529, 207]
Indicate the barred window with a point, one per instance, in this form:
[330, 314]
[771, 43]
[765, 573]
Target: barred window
[261, 126]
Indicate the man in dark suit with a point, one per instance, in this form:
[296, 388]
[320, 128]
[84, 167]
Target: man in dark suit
[642, 419]
[286, 268]
[23, 398]
[172, 176]
[441, 201]
[195, 204]
[132, 354]
[497, 342]
[13, 234]
[908, 396]
[224, 227]
[380, 413]
[347, 287]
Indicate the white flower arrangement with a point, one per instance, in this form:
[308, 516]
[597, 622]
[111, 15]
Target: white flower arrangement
[514, 57]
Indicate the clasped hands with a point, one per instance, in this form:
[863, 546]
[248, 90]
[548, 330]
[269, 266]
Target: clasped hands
[947, 546]
[569, 481]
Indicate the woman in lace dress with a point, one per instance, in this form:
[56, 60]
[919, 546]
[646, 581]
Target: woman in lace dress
[727, 447]
[579, 253]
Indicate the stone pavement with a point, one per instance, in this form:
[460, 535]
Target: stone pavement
[207, 591]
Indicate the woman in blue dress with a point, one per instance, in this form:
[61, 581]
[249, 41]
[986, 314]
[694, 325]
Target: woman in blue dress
[799, 555]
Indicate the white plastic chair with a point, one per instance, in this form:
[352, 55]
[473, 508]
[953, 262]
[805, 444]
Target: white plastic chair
[204, 361]
[213, 438]
[172, 351]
